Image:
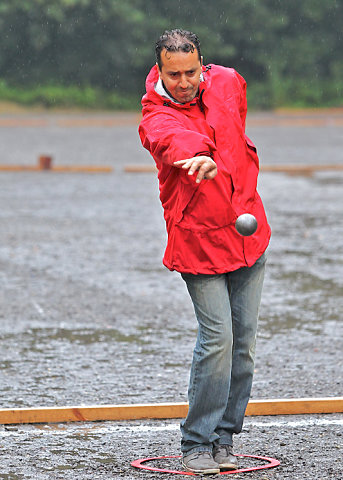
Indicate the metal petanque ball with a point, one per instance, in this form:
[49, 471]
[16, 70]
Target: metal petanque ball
[246, 224]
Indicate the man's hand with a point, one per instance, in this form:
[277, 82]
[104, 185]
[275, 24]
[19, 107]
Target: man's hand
[207, 168]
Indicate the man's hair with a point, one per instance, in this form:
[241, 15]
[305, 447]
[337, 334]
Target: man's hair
[176, 40]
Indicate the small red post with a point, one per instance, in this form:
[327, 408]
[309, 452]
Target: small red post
[44, 162]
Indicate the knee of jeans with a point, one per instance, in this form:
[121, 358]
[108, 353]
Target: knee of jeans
[220, 345]
[247, 340]
[245, 349]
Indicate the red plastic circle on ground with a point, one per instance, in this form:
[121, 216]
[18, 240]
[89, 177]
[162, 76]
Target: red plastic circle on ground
[272, 462]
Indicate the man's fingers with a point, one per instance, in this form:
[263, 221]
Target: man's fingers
[181, 162]
[196, 160]
[204, 172]
[199, 163]
[185, 164]
[206, 166]
[192, 164]
[211, 173]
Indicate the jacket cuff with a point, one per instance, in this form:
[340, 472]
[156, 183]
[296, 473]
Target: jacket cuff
[205, 153]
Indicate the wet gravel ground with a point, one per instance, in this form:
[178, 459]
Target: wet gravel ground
[90, 316]
[308, 449]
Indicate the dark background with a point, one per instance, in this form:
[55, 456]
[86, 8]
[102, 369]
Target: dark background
[97, 53]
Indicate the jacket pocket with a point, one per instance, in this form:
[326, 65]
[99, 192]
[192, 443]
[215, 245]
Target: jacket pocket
[210, 205]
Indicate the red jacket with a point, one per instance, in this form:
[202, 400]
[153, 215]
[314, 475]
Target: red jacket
[200, 218]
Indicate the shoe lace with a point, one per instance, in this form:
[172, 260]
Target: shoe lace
[227, 448]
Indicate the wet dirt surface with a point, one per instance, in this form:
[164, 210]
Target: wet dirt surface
[89, 314]
[309, 448]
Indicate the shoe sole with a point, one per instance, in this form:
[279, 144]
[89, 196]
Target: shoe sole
[228, 466]
[208, 471]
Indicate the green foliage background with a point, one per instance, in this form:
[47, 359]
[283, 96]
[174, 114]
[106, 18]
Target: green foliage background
[96, 53]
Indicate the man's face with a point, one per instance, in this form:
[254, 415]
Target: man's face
[180, 74]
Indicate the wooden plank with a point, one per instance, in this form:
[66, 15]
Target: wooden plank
[140, 169]
[295, 406]
[92, 413]
[82, 169]
[289, 169]
[300, 169]
[60, 169]
[18, 168]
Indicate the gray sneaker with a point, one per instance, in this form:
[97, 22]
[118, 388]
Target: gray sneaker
[200, 462]
[223, 455]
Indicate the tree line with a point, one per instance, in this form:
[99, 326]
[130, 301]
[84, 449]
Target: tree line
[98, 52]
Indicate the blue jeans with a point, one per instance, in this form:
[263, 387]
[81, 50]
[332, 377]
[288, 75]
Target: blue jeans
[226, 307]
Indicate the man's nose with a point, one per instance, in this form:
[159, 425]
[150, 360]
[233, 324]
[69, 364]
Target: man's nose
[183, 81]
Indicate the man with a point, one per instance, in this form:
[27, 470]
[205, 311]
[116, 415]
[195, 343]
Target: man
[194, 127]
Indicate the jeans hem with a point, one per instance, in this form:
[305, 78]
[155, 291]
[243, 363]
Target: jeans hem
[224, 442]
[197, 449]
